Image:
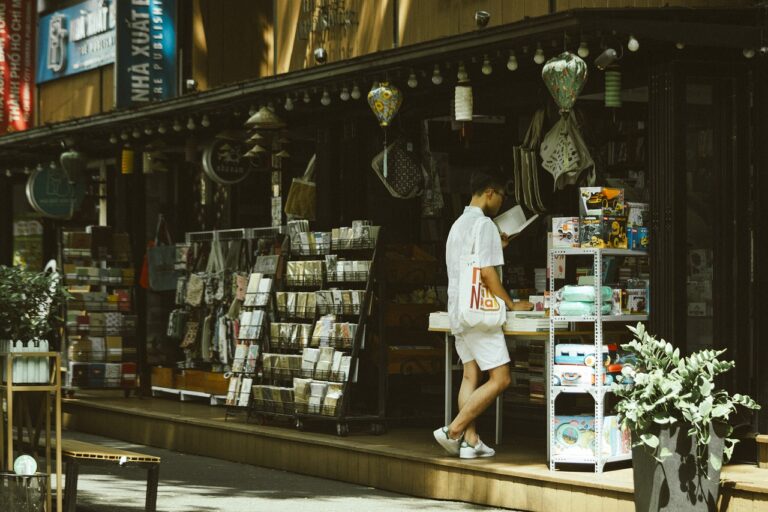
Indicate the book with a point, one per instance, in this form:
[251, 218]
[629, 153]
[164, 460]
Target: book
[513, 221]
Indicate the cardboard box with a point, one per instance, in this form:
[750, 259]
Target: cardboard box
[601, 201]
[565, 232]
[574, 375]
[163, 377]
[575, 435]
[614, 231]
[591, 232]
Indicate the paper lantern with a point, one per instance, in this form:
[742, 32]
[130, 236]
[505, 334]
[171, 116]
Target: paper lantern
[126, 161]
[565, 76]
[463, 103]
[385, 101]
[613, 88]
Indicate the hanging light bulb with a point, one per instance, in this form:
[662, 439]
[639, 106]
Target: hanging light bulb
[136, 133]
[148, 130]
[437, 78]
[462, 75]
[326, 98]
[748, 52]
[344, 94]
[512, 61]
[679, 46]
[633, 44]
[251, 110]
[124, 136]
[413, 82]
[539, 57]
[288, 103]
[176, 126]
[162, 129]
[583, 50]
[190, 123]
[355, 92]
[205, 121]
[113, 139]
[306, 98]
[487, 68]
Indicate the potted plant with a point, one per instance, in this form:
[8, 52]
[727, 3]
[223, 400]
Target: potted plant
[678, 421]
[29, 302]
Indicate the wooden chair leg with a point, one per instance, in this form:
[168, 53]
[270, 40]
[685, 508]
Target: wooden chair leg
[70, 486]
[153, 477]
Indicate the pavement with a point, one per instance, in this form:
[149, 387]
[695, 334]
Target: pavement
[192, 483]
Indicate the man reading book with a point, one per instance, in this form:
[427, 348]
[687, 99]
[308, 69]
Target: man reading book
[479, 350]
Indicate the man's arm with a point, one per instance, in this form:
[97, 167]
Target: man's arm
[493, 283]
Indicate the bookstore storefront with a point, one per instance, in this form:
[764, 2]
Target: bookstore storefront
[673, 128]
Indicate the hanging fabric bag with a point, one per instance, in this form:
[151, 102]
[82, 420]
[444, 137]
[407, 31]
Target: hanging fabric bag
[302, 196]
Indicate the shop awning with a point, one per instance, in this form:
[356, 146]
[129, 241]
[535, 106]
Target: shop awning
[710, 28]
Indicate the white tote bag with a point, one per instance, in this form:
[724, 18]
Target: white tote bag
[479, 308]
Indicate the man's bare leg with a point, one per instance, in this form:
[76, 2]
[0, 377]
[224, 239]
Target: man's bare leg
[480, 399]
[469, 383]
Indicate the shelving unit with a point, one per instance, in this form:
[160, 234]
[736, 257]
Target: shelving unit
[340, 412]
[100, 341]
[599, 390]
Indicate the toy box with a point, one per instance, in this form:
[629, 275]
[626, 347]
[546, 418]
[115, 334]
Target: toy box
[637, 301]
[614, 231]
[601, 201]
[565, 232]
[575, 436]
[579, 354]
[591, 232]
[575, 375]
[637, 214]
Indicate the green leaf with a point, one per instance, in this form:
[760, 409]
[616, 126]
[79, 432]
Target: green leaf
[650, 440]
[717, 462]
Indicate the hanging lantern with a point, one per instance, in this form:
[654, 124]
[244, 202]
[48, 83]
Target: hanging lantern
[126, 161]
[385, 101]
[613, 88]
[146, 162]
[565, 76]
[462, 102]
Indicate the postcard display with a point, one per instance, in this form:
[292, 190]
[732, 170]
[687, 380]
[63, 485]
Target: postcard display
[310, 351]
[603, 234]
[100, 320]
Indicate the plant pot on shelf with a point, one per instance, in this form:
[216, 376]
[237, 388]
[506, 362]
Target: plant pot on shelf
[674, 484]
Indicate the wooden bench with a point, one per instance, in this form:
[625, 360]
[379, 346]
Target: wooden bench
[74, 453]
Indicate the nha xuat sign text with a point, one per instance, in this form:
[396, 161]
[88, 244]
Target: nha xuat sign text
[17, 67]
[76, 39]
[146, 51]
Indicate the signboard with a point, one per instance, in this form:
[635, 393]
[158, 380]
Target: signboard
[76, 39]
[17, 64]
[146, 52]
[50, 193]
[223, 161]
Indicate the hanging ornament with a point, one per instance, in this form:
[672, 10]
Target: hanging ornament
[385, 101]
[565, 76]
[463, 102]
[613, 88]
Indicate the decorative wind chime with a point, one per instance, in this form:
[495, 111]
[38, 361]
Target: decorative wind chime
[563, 151]
[385, 100]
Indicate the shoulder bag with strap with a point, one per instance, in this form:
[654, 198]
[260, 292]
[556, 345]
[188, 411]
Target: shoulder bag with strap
[162, 259]
[479, 308]
[214, 274]
[301, 200]
[405, 178]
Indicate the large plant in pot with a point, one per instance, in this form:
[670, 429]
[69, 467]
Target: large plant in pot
[679, 423]
[29, 303]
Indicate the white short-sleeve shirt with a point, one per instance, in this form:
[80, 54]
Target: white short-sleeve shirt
[490, 253]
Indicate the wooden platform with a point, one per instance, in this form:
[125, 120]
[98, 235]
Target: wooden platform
[404, 460]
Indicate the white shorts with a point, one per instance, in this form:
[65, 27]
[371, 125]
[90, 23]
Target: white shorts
[487, 348]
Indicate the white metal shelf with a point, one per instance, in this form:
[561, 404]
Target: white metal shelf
[605, 318]
[587, 459]
[591, 251]
[583, 390]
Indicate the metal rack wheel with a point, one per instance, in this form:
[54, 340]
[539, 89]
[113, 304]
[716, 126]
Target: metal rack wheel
[378, 429]
[342, 429]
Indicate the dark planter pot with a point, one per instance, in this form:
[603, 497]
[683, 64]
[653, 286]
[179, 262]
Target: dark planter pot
[675, 484]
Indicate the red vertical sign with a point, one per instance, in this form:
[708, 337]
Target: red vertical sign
[17, 64]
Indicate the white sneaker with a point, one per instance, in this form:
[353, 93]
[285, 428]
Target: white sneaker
[467, 451]
[449, 445]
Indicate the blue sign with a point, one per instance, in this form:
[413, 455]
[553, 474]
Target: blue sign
[76, 39]
[146, 51]
[51, 194]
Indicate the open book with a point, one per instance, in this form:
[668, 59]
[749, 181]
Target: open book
[513, 221]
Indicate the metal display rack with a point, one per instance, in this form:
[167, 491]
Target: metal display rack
[599, 390]
[340, 413]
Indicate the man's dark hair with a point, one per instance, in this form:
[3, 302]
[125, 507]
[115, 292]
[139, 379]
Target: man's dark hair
[481, 181]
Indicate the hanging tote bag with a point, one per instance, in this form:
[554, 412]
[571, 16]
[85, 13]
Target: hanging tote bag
[161, 257]
[478, 307]
[214, 274]
[302, 196]
[405, 177]
[526, 165]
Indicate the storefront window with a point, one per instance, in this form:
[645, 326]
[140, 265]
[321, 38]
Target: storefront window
[700, 215]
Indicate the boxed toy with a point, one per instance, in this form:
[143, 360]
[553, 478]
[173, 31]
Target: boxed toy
[575, 375]
[591, 232]
[579, 354]
[614, 231]
[637, 300]
[637, 214]
[575, 436]
[565, 232]
[601, 201]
